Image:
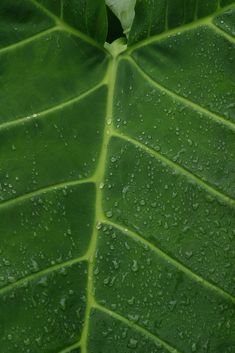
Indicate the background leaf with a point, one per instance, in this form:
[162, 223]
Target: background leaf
[125, 12]
[116, 188]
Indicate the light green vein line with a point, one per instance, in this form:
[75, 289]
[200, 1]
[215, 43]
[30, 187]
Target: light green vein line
[99, 176]
[226, 199]
[69, 348]
[67, 27]
[22, 281]
[52, 109]
[183, 28]
[28, 40]
[195, 277]
[221, 32]
[136, 327]
[219, 119]
[44, 191]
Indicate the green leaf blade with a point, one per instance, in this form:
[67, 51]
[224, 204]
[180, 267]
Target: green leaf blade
[116, 184]
[156, 16]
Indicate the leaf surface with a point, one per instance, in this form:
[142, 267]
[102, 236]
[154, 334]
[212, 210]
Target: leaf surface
[116, 188]
[157, 16]
[22, 18]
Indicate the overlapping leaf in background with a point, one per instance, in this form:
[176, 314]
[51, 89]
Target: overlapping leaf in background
[117, 178]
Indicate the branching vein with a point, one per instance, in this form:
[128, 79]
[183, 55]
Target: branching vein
[222, 33]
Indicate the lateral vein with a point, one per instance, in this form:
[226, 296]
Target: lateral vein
[137, 327]
[44, 190]
[52, 109]
[29, 39]
[174, 262]
[59, 21]
[45, 271]
[175, 166]
[219, 119]
[183, 28]
[68, 349]
[221, 32]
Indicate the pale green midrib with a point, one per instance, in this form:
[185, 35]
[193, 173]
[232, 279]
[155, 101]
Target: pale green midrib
[130, 324]
[99, 176]
[176, 167]
[67, 27]
[177, 264]
[44, 113]
[135, 326]
[29, 39]
[185, 101]
[45, 190]
[45, 271]
[185, 27]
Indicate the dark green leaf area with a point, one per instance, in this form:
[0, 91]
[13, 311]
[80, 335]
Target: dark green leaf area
[49, 229]
[46, 72]
[226, 21]
[54, 138]
[132, 280]
[174, 128]
[109, 334]
[19, 20]
[186, 65]
[170, 210]
[46, 314]
[156, 16]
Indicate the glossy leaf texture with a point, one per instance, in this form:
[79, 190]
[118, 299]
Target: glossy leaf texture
[116, 187]
[157, 16]
[22, 18]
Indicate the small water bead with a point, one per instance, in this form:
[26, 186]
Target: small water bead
[109, 214]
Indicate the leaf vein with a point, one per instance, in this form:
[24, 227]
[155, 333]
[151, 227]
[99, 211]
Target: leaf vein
[137, 327]
[183, 28]
[225, 198]
[56, 107]
[194, 276]
[66, 26]
[28, 40]
[29, 278]
[45, 190]
[221, 32]
[219, 119]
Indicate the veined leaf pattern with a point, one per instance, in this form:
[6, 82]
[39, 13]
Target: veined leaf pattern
[116, 185]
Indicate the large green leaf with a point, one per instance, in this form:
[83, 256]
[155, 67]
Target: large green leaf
[116, 187]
